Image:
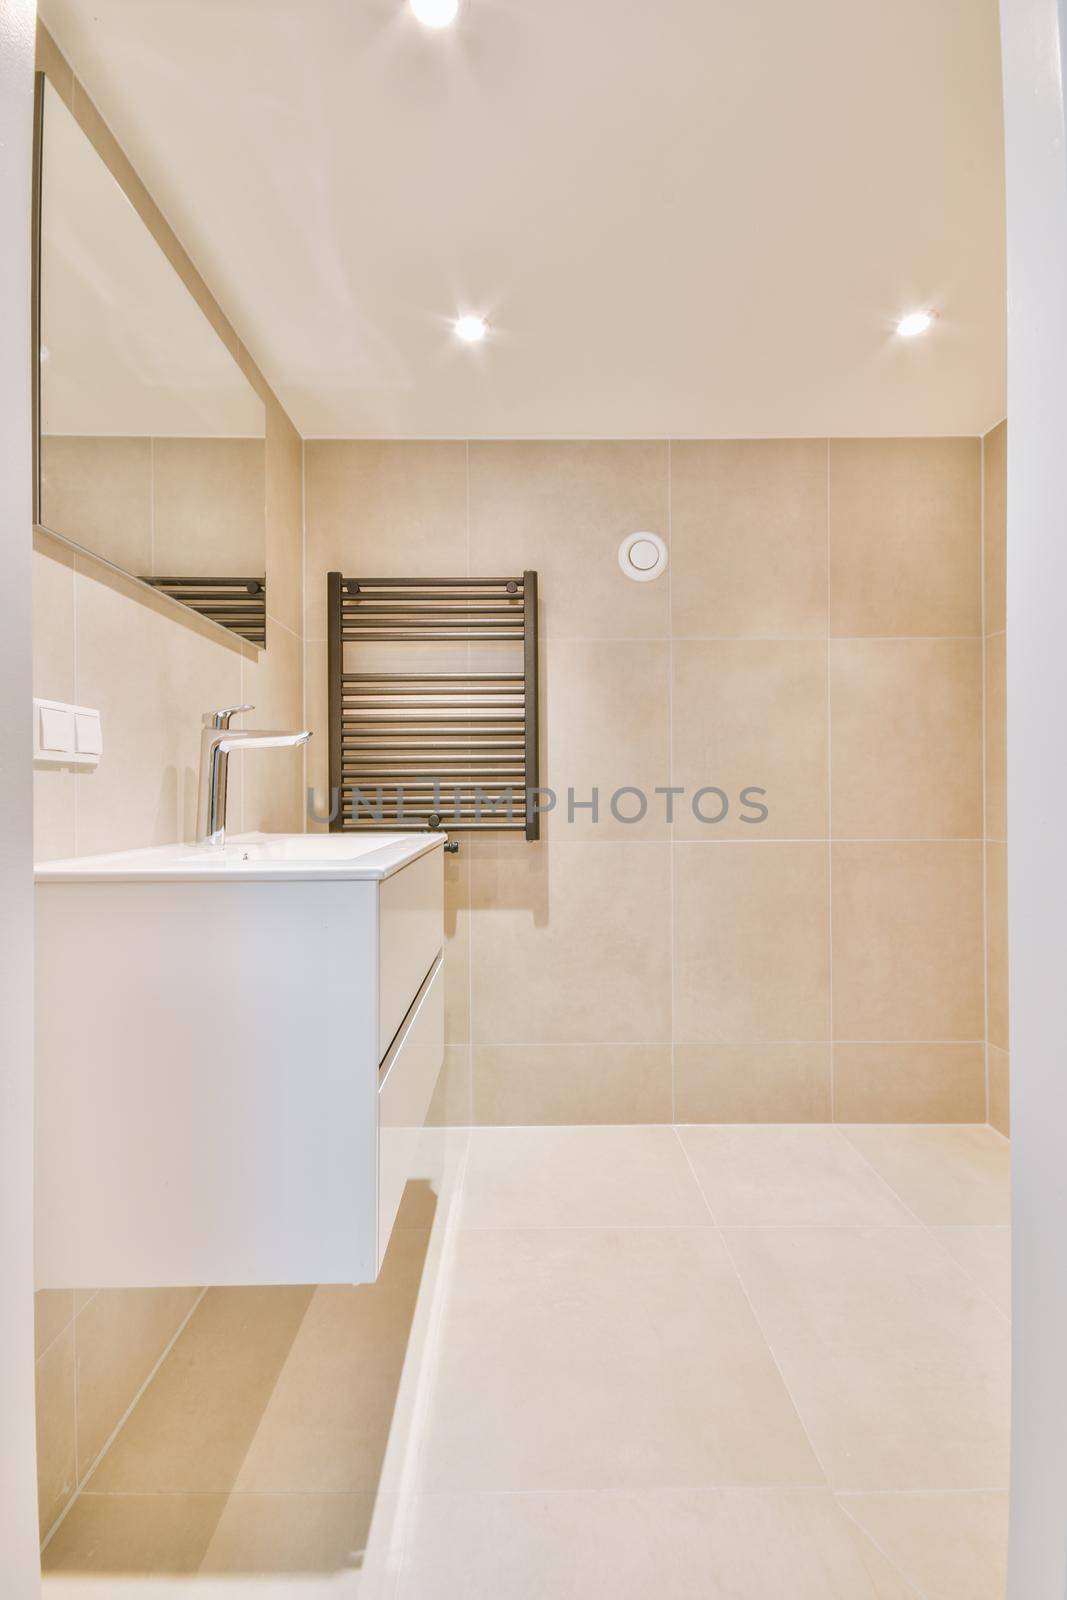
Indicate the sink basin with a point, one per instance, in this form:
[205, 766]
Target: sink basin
[250, 857]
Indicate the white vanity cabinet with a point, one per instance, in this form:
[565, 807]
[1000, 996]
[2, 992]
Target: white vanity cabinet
[236, 1051]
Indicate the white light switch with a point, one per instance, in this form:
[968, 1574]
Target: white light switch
[66, 735]
[88, 733]
[56, 729]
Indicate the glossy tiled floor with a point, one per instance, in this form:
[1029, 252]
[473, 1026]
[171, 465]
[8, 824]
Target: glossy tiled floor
[732, 1362]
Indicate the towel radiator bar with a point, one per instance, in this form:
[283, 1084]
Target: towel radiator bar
[433, 716]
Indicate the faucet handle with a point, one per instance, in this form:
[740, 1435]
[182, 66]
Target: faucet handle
[221, 719]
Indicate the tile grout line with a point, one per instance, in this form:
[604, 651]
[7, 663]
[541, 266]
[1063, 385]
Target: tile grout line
[82, 1479]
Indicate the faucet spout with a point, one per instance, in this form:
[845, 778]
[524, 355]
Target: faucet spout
[217, 742]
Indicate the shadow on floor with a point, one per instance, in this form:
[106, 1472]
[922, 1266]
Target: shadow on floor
[258, 1446]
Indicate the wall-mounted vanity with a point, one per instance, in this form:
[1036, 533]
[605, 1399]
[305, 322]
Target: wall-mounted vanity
[236, 1053]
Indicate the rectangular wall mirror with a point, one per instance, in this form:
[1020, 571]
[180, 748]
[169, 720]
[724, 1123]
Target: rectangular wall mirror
[150, 439]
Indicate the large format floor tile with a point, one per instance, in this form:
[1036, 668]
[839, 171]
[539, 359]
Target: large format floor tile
[950, 1546]
[772, 1174]
[584, 1386]
[897, 1362]
[985, 1254]
[574, 1359]
[945, 1175]
[579, 1177]
[686, 1545]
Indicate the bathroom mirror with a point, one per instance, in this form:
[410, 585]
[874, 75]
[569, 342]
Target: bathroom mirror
[150, 441]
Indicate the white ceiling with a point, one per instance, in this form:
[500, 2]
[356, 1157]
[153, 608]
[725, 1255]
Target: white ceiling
[682, 217]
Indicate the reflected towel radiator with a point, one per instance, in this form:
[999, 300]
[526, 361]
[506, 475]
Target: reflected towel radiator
[239, 604]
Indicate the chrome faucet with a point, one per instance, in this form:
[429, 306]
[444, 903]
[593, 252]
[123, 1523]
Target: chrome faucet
[217, 741]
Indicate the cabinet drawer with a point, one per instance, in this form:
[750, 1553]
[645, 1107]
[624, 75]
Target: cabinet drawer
[409, 1077]
[410, 935]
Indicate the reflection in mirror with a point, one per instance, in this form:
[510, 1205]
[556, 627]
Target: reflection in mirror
[151, 444]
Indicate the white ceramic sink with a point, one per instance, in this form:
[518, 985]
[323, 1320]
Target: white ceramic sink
[251, 857]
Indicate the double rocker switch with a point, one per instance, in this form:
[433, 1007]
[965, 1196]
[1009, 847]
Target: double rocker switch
[66, 734]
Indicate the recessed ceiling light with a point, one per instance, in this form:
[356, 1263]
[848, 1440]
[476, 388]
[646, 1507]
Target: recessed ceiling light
[471, 330]
[435, 13]
[914, 323]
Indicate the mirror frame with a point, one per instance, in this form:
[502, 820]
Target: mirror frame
[178, 608]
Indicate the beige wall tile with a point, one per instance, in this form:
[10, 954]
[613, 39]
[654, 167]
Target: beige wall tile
[909, 1083]
[152, 678]
[98, 492]
[121, 1335]
[907, 931]
[905, 537]
[751, 714]
[999, 1089]
[53, 679]
[53, 1310]
[997, 944]
[451, 1103]
[457, 948]
[193, 1426]
[906, 729]
[570, 943]
[146, 1534]
[53, 619]
[852, 1316]
[316, 711]
[752, 1083]
[56, 1468]
[285, 521]
[995, 520]
[382, 510]
[741, 510]
[572, 1083]
[606, 725]
[209, 507]
[272, 781]
[751, 943]
[996, 738]
[547, 1378]
[562, 509]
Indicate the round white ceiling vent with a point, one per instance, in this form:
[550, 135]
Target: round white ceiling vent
[643, 556]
